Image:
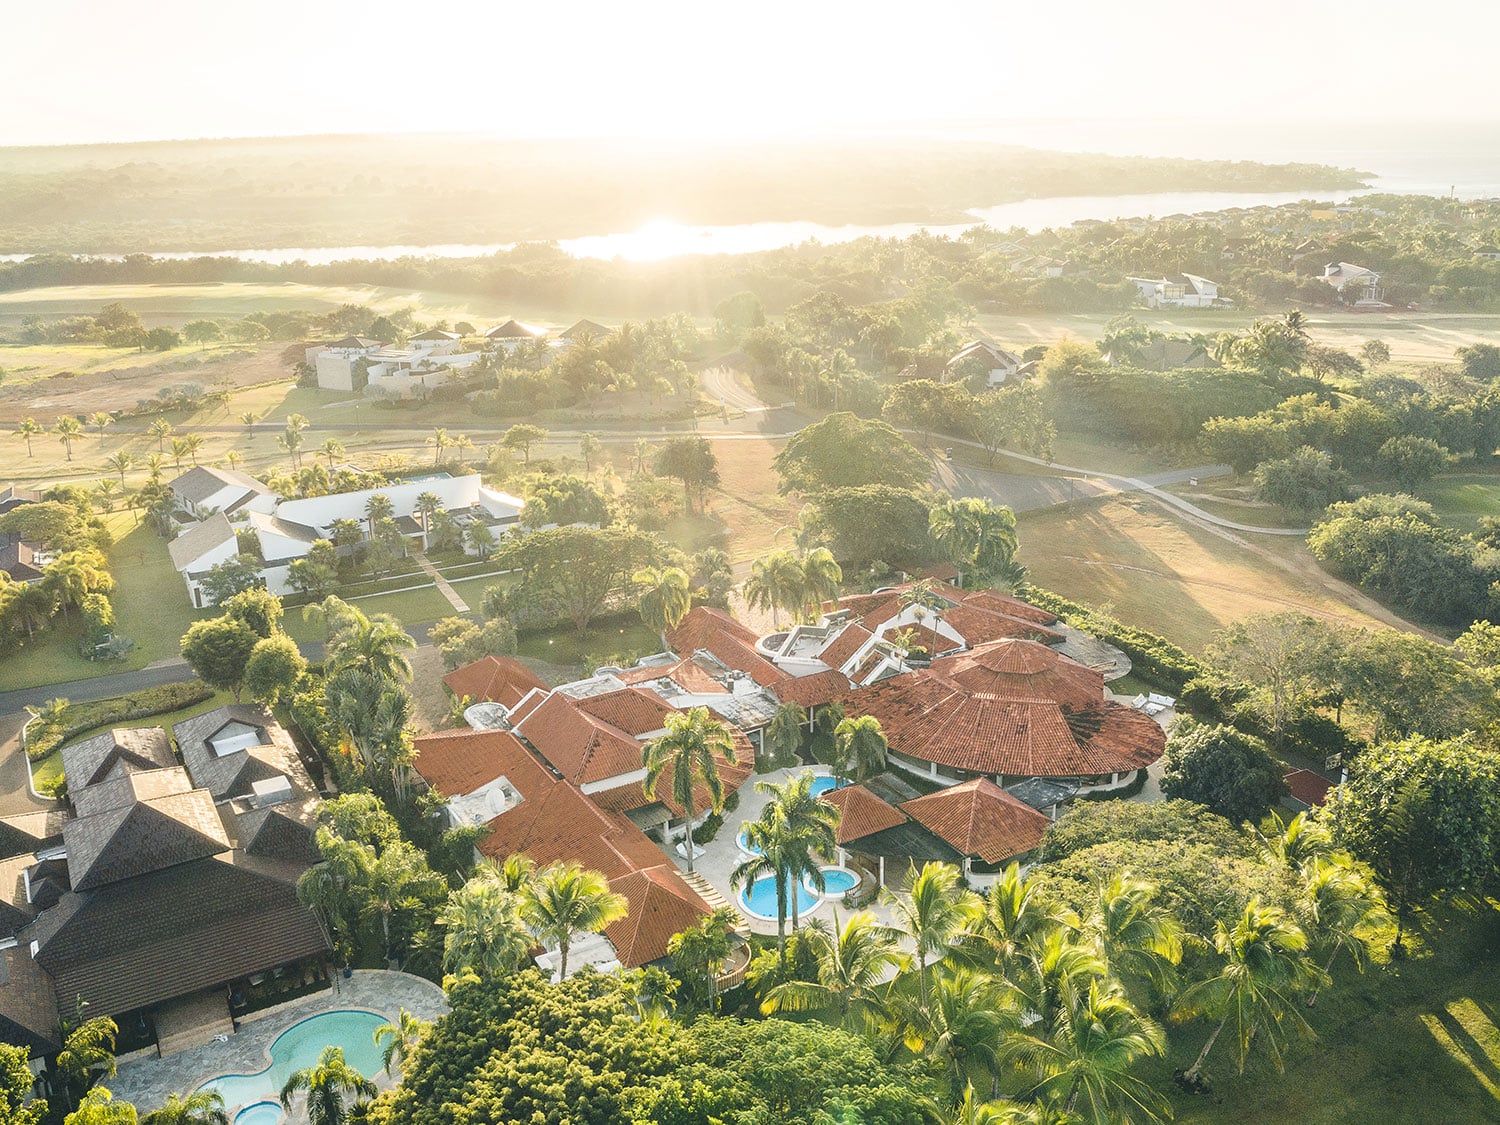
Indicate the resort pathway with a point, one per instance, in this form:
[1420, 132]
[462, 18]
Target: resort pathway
[458, 604]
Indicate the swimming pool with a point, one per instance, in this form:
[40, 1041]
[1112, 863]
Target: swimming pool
[759, 898]
[821, 785]
[838, 880]
[297, 1047]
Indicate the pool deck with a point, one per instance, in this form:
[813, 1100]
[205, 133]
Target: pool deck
[146, 1083]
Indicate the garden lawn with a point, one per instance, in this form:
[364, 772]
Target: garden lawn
[1463, 499]
[1165, 575]
[1414, 1041]
[608, 637]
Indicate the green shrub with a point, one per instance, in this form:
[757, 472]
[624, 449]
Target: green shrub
[1152, 657]
[42, 737]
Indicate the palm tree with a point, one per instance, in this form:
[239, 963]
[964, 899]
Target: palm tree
[326, 1083]
[105, 491]
[232, 460]
[202, 1107]
[398, 878]
[933, 913]
[642, 455]
[439, 442]
[769, 846]
[1345, 910]
[1265, 963]
[98, 1107]
[31, 605]
[1056, 967]
[101, 418]
[27, 430]
[373, 644]
[808, 829]
[1016, 917]
[247, 419]
[775, 583]
[378, 508]
[88, 1053]
[297, 422]
[486, 934]
[1301, 840]
[977, 536]
[193, 442]
[689, 747]
[75, 575]
[666, 597]
[859, 748]
[397, 1038]
[1083, 1067]
[154, 467]
[784, 735]
[1134, 934]
[462, 442]
[179, 451]
[291, 441]
[428, 505]
[959, 1024]
[67, 430]
[565, 900]
[120, 462]
[821, 579]
[160, 428]
[589, 446]
[855, 965]
[333, 449]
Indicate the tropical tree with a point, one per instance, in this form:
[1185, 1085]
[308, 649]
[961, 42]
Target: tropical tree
[100, 419]
[88, 1054]
[522, 437]
[934, 912]
[856, 964]
[327, 1083]
[589, 447]
[120, 462]
[179, 451]
[1132, 932]
[783, 736]
[202, 1107]
[1083, 1067]
[807, 829]
[1017, 916]
[565, 900]
[486, 933]
[159, 429]
[378, 508]
[959, 1025]
[333, 449]
[859, 748]
[291, 441]
[439, 442]
[98, 1107]
[428, 505]
[978, 537]
[700, 952]
[397, 1038]
[770, 847]
[75, 575]
[1265, 966]
[821, 579]
[67, 430]
[27, 430]
[776, 582]
[1345, 910]
[371, 643]
[666, 597]
[690, 748]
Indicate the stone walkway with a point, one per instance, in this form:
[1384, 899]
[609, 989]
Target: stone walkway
[146, 1083]
[441, 583]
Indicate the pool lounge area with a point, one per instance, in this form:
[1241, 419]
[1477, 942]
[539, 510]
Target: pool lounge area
[250, 1068]
[759, 899]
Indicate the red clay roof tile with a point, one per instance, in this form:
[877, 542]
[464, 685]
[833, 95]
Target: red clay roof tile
[980, 819]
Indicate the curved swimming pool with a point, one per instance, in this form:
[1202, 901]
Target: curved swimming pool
[836, 881]
[823, 784]
[759, 899]
[297, 1047]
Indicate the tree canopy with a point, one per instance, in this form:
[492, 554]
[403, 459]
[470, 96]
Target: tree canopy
[846, 451]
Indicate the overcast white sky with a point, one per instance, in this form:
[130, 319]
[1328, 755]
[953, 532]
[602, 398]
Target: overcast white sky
[101, 70]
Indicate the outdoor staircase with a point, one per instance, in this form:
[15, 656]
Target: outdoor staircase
[709, 893]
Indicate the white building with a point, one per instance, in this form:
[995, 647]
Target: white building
[1357, 286]
[201, 491]
[199, 549]
[337, 363]
[980, 357]
[1186, 291]
[512, 334]
[357, 364]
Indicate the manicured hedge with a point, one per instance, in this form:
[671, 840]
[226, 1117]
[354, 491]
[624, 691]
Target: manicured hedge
[43, 737]
[1152, 657]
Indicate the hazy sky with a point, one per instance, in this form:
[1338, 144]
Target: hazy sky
[102, 70]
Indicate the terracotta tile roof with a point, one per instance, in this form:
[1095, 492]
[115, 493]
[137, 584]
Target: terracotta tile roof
[843, 647]
[631, 795]
[1016, 709]
[705, 621]
[688, 673]
[580, 746]
[457, 762]
[493, 679]
[1023, 670]
[882, 611]
[740, 655]
[632, 710]
[979, 625]
[530, 703]
[861, 812]
[980, 819]
[661, 905]
[812, 691]
[997, 602]
[1308, 787]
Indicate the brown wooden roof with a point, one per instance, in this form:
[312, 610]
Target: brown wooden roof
[980, 819]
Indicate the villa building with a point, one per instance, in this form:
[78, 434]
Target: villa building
[1185, 291]
[202, 491]
[987, 362]
[368, 367]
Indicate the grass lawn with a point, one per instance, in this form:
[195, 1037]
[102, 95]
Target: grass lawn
[608, 636]
[1413, 1041]
[1162, 574]
[1462, 499]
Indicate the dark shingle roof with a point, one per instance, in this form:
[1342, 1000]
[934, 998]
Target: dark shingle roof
[143, 836]
[283, 831]
[115, 752]
[234, 773]
[28, 1004]
[199, 539]
[200, 482]
[28, 833]
[171, 932]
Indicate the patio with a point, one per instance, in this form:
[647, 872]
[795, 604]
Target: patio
[147, 1082]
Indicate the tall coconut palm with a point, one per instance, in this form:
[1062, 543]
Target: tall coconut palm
[68, 430]
[808, 831]
[1016, 917]
[30, 605]
[959, 1025]
[233, 460]
[159, 429]
[589, 447]
[98, 1107]
[372, 643]
[439, 442]
[859, 748]
[88, 1054]
[855, 966]
[775, 583]
[27, 430]
[933, 912]
[333, 449]
[399, 879]
[977, 536]
[120, 462]
[100, 419]
[397, 1038]
[1055, 967]
[1299, 841]
[105, 492]
[821, 580]
[1265, 966]
[666, 596]
[327, 1082]
[566, 900]
[691, 746]
[201, 1107]
[1083, 1066]
[486, 934]
[428, 504]
[784, 734]
[1345, 911]
[378, 508]
[291, 441]
[769, 846]
[194, 443]
[462, 442]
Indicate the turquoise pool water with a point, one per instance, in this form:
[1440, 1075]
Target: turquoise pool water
[821, 785]
[261, 1113]
[297, 1047]
[759, 898]
[837, 880]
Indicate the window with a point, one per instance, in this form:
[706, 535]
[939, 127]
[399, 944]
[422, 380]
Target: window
[233, 737]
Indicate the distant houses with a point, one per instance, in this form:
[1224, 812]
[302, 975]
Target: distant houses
[1355, 286]
[368, 367]
[989, 363]
[1184, 291]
